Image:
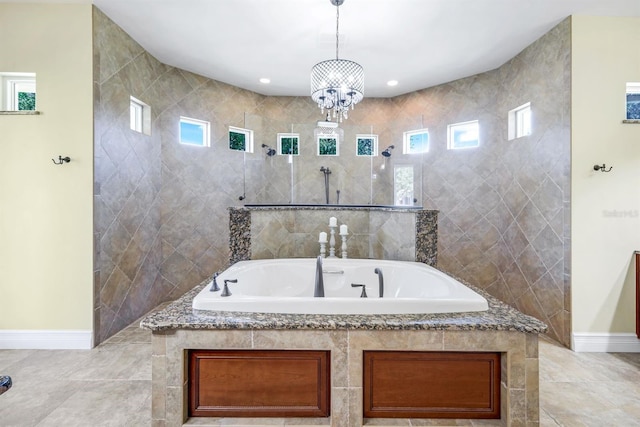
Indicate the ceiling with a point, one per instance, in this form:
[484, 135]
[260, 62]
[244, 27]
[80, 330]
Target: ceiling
[419, 43]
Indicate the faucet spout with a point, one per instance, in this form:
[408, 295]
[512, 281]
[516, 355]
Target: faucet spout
[319, 288]
[380, 281]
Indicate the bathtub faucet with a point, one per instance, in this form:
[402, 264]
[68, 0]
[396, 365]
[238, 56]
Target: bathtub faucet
[319, 288]
[380, 281]
[214, 285]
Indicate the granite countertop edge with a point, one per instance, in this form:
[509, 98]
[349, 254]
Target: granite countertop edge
[180, 315]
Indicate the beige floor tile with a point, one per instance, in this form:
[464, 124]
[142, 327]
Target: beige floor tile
[27, 403]
[127, 405]
[116, 361]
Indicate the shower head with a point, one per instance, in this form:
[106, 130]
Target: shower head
[387, 151]
[270, 151]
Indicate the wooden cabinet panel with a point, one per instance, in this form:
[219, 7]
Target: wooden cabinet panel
[259, 383]
[404, 384]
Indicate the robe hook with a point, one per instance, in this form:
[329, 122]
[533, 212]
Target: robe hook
[602, 168]
[61, 160]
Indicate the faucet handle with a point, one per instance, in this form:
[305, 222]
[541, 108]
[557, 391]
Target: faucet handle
[214, 286]
[364, 289]
[225, 291]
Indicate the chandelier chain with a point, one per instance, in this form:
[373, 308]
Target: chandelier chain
[337, 85]
[337, 29]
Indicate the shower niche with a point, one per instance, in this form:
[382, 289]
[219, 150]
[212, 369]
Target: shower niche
[383, 176]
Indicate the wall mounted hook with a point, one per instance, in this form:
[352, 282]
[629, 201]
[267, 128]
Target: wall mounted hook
[61, 160]
[602, 168]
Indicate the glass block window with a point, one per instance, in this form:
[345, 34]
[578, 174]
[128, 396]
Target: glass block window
[240, 139]
[633, 101]
[194, 132]
[416, 141]
[463, 135]
[519, 121]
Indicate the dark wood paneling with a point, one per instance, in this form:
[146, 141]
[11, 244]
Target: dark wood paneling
[259, 383]
[405, 384]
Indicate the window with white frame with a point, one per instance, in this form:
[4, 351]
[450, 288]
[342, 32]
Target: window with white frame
[240, 139]
[463, 135]
[633, 101]
[403, 185]
[135, 115]
[194, 132]
[519, 121]
[416, 141]
[288, 143]
[18, 91]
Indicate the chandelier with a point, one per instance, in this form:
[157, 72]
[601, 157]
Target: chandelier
[337, 84]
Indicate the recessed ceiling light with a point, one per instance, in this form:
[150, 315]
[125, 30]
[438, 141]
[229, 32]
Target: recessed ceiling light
[392, 83]
[265, 80]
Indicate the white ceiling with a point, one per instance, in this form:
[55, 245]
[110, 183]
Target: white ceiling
[420, 43]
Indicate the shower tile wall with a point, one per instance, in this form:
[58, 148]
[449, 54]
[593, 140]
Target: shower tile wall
[160, 208]
[126, 183]
[161, 220]
[372, 234]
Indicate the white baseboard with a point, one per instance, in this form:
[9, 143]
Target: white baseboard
[605, 342]
[45, 340]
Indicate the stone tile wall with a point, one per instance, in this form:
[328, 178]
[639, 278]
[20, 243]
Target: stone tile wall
[127, 183]
[161, 219]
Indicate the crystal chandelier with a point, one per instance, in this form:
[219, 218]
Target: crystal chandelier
[337, 84]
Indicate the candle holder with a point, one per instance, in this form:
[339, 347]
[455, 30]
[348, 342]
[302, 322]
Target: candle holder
[323, 248]
[332, 242]
[344, 244]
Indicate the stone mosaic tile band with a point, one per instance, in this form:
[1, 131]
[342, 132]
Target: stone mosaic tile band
[427, 237]
[373, 232]
[239, 235]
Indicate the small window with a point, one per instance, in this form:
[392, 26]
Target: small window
[18, 91]
[366, 145]
[403, 185]
[194, 132]
[463, 135]
[416, 141]
[328, 144]
[633, 101]
[520, 121]
[240, 139]
[289, 143]
[139, 116]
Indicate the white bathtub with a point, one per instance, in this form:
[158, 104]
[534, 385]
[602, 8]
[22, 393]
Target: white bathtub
[287, 286]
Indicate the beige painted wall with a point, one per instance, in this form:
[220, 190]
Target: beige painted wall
[605, 219]
[46, 213]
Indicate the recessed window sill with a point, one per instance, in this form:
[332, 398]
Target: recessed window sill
[633, 121]
[20, 113]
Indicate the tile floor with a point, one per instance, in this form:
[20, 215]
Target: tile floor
[111, 386]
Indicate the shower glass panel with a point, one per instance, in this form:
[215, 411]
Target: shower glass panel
[354, 178]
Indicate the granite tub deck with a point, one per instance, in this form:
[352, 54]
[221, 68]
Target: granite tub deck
[178, 328]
